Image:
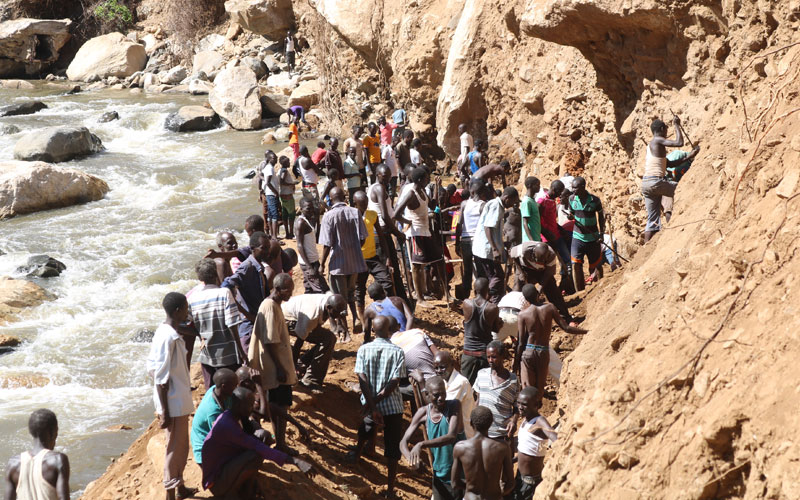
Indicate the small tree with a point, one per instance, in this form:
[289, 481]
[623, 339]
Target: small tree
[112, 12]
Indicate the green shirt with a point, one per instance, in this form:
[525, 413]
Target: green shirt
[530, 216]
[204, 417]
[351, 167]
[585, 212]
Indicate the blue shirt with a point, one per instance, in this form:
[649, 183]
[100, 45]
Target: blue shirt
[381, 361]
[204, 417]
[252, 284]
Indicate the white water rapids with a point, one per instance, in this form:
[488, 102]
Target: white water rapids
[170, 194]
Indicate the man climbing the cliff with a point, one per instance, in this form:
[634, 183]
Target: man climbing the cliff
[39, 474]
[290, 46]
[654, 182]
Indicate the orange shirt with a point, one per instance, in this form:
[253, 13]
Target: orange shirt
[373, 145]
[295, 134]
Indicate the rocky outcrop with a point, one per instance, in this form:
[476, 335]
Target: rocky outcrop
[29, 46]
[17, 295]
[56, 144]
[174, 76]
[106, 56]
[271, 18]
[306, 94]
[22, 108]
[271, 107]
[27, 187]
[192, 118]
[235, 98]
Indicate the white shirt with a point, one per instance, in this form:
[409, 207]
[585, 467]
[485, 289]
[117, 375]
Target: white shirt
[459, 388]
[167, 364]
[271, 178]
[389, 158]
[416, 158]
[307, 309]
[513, 300]
[466, 143]
[289, 44]
[309, 175]
[492, 216]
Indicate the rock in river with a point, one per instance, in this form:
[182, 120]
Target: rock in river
[16, 295]
[22, 108]
[235, 97]
[27, 187]
[55, 144]
[42, 266]
[192, 118]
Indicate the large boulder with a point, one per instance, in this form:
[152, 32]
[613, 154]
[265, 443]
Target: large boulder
[200, 87]
[22, 108]
[55, 144]
[257, 65]
[192, 118]
[108, 55]
[16, 295]
[27, 46]
[174, 76]
[235, 97]
[207, 61]
[27, 187]
[306, 94]
[271, 18]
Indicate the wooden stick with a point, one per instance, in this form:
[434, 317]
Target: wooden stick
[420, 404]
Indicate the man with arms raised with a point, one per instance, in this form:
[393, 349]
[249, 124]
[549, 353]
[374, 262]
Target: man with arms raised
[482, 462]
[39, 474]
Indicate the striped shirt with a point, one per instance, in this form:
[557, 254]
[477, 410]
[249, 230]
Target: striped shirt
[497, 398]
[343, 231]
[214, 312]
[585, 213]
[381, 361]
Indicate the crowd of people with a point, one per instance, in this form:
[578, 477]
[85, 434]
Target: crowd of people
[378, 227]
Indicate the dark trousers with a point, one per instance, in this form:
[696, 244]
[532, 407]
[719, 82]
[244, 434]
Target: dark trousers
[318, 358]
[397, 271]
[493, 271]
[526, 275]
[392, 433]
[380, 272]
[445, 491]
[470, 365]
[466, 266]
[561, 247]
[313, 282]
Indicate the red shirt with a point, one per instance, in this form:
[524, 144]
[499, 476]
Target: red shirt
[386, 133]
[548, 214]
[318, 155]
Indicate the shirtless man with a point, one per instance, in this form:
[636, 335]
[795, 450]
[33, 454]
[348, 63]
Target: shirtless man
[481, 318]
[654, 183]
[382, 305]
[533, 340]
[492, 170]
[483, 462]
[54, 480]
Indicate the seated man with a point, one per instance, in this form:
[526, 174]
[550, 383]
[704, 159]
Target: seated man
[42, 473]
[218, 398]
[232, 457]
[442, 419]
[386, 306]
[419, 351]
[250, 379]
[306, 316]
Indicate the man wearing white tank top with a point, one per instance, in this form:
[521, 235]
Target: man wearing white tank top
[39, 474]
[654, 182]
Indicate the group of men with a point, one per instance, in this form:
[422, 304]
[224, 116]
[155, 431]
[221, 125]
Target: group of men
[379, 216]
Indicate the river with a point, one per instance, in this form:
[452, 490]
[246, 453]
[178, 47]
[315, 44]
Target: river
[170, 194]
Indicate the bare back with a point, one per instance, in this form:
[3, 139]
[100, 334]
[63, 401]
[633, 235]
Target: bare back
[484, 462]
[536, 324]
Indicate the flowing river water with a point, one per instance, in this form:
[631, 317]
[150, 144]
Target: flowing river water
[170, 194]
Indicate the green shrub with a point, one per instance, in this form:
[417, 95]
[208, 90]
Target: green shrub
[113, 12]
